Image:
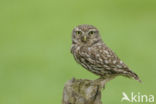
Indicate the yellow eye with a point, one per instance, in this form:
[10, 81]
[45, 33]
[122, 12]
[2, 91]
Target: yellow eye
[91, 32]
[78, 32]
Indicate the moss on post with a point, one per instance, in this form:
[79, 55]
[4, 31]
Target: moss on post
[83, 91]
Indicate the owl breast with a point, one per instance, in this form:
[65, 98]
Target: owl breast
[87, 57]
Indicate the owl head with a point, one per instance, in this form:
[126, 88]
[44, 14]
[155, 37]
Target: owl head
[85, 35]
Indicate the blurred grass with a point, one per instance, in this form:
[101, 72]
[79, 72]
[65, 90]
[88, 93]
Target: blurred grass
[35, 40]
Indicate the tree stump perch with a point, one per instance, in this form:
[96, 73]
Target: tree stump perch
[83, 91]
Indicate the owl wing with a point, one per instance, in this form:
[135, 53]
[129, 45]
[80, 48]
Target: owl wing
[105, 58]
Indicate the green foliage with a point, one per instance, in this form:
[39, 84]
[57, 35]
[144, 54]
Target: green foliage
[35, 41]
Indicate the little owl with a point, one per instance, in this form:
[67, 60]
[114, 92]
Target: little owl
[92, 53]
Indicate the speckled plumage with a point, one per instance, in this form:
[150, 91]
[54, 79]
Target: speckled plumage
[92, 53]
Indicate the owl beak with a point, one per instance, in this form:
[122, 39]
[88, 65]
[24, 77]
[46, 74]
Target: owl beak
[85, 38]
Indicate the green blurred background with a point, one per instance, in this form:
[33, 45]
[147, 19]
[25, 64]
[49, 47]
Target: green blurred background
[35, 41]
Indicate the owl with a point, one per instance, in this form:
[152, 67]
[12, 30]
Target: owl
[91, 52]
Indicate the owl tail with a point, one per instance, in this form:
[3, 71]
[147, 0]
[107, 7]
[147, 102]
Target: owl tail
[133, 75]
[136, 77]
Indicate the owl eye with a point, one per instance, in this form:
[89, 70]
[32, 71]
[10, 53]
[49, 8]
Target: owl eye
[78, 32]
[91, 32]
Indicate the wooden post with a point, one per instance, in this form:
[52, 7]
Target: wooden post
[83, 91]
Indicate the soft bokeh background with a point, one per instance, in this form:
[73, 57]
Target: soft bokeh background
[35, 41]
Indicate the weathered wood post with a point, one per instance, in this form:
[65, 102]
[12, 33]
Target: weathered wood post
[83, 91]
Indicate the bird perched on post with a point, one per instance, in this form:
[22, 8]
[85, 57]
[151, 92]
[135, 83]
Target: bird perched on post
[92, 53]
